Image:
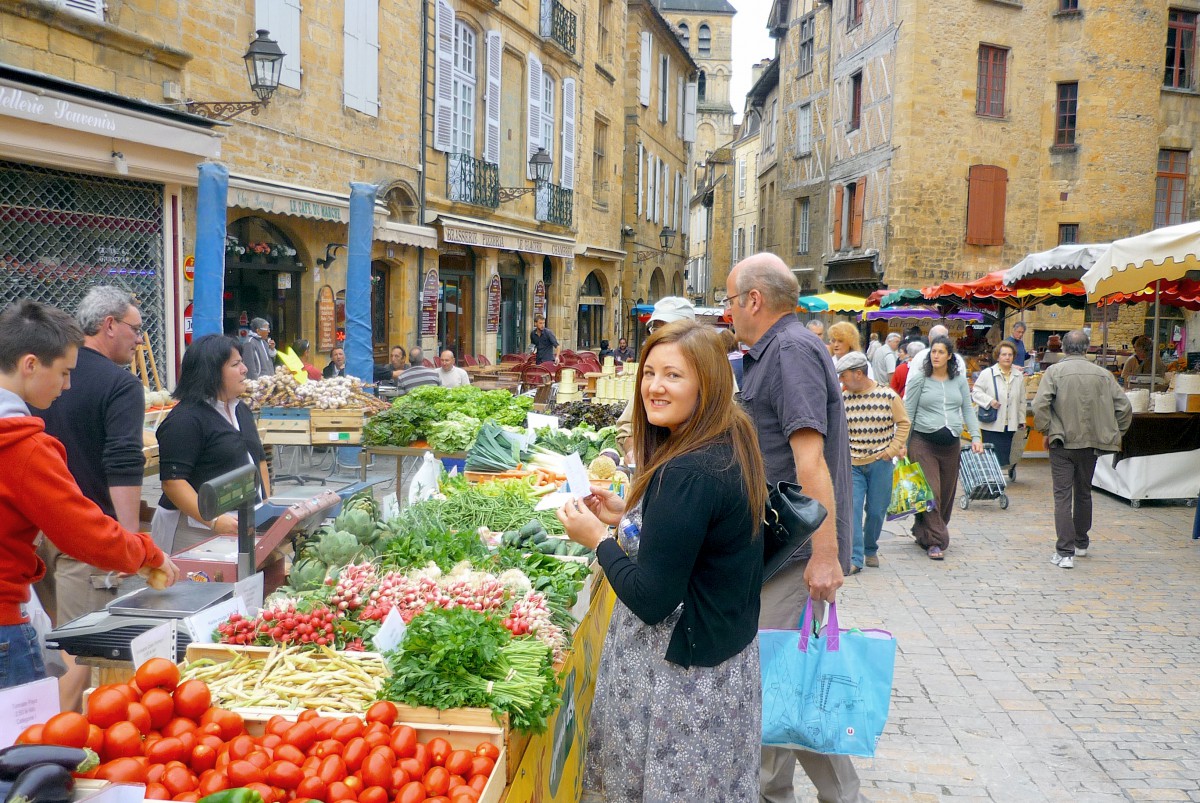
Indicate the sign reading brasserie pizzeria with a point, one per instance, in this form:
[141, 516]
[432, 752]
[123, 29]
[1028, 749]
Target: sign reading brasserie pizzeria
[539, 299]
[429, 305]
[325, 319]
[493, 307]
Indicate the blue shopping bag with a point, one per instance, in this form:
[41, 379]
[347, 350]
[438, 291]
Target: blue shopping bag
[824, 689]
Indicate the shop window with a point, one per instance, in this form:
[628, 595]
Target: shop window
[262, 278]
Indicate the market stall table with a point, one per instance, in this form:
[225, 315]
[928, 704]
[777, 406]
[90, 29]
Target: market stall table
[1159, 459]
[416, 449]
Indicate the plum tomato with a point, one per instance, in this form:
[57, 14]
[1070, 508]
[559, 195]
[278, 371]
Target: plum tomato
[481, 765]
[156, 791]
[122, 740]
[106, 707]
[213, 781]
[373, 794]
[284, 774]
[355, 753]
[412, 792]
[192, 699]
[95, 739]
[242, 772]
[179, 780]
[350, 728]
[399, 778]
[437, 781]
[287, 752]
[203, 758]
[463, 794]
[157, 673]
[404, 741]
[488, 749]
[301, 735]
[339, 791]
[312, 787]
[31, 735]
[332, 768]
[414, 768]
[377, 769]
[459, 762]
[241, 746]
[122, 770]
[230, 722]
[478, 782]
[439, 748]
[168, 748]
[383, 711]
[69, 729]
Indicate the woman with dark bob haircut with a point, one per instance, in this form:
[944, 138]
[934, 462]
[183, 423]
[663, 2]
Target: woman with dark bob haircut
[209, 433]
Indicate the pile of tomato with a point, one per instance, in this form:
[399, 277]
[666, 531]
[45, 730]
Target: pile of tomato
[167, 735]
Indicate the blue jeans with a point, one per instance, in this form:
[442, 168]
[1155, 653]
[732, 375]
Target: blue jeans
[20, 656]
[872, 491]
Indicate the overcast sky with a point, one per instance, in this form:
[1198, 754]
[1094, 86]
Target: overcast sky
[751, 43]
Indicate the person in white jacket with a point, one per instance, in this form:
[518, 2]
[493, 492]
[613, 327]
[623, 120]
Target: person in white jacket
[1002, 388]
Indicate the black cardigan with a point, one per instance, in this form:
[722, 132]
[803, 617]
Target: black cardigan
[195, 443]
[696, 548]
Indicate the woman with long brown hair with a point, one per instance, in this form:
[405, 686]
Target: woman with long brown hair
[677, 713]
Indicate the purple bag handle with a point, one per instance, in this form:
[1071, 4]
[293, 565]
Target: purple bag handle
[808, 625]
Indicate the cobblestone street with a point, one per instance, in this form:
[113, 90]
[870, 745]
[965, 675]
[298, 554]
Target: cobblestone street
[1019, 681]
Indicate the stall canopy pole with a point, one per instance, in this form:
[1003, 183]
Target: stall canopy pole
[1154, 354]
[209, 285]
[358, 280]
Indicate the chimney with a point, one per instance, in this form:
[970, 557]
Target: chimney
[757, 70]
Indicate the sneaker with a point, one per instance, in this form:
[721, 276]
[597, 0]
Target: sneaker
[872, 561]
[1063, 561]
[935, 553]
[1079, 553]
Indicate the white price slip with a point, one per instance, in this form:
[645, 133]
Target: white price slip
[157, 642]
[250, 591]
[202, 625]
[578, 483]
[536, 421]
[389, 507]
[391, 632]
[25, 705]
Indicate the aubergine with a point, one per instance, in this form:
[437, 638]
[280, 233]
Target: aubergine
[42, 783]
[19, 757]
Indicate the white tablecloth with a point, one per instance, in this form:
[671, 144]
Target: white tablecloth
[1161, 476]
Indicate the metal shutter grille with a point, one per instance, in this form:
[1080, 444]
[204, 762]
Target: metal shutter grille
[62, 233]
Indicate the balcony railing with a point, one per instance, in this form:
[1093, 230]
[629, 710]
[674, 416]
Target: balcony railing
[558, 24]
[555, 204]
[472, 181]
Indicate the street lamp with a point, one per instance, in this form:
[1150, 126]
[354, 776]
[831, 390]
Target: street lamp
[542, 165]
[666, 238]
[264, 64]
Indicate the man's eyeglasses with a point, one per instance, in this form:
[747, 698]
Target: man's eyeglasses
[138, 331]
[728, 302]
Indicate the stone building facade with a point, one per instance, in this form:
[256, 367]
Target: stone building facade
[706, 29]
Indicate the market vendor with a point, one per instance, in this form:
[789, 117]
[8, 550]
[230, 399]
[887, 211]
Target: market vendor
[39, 346]
[1138, 363]
[209, 433]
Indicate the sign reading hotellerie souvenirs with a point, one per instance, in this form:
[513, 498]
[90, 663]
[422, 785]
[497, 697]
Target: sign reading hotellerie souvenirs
[539, 299]
[493, 307]
[429, 305]
[326, 323]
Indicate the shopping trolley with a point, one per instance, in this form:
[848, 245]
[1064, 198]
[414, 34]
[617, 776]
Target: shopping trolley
[980, 477]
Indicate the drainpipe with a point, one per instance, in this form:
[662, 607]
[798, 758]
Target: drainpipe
[420, 284]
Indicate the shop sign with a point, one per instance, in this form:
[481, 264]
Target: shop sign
[506, 241]
[429, 304]
[278, 204]
[493, 305]
[539, 299]
[326, 319]
[189, 268]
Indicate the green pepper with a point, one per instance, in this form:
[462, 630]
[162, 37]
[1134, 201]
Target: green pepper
[233, 796]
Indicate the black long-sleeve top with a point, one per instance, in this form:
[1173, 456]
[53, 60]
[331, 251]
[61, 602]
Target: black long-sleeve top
[697, 547]
[195, 443]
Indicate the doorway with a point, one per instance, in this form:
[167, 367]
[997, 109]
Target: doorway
[514, 289]
[456, 302]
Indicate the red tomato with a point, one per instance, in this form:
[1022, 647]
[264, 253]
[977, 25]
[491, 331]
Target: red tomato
[229, 722]
[203, 758]
[107, 706]
[69, 729]
[462, 794]
[160, 705]
[414, 768]
[192, 699]
[373, 794]
[178, 726]
[271, 741]
[167, 749]
[95, 739]
[242, 772]
[139, 715]
[437, 799]
[157, 673]
[213, 781]
[155, 772]
[302, 735]
[481, 765]
[284, 774]
[156, 791]
[326, 726]
[306, 715]
[339, 791]
[439, 748]
[332, 768]
[131, 694]
[277, 724]
[328, 747]
[122, 739]
[478, 782]
[377, 769]
[241, 747]
[349, 729]
[179, 780]
[189, 740]
[259, 759]
[311, 786]
[188, 797]
[31, 735]
[404, 741]
[264, 791]
[287, 752]
[355, 753]
[310, 765]
[382, 711]
[459, 762]
[455, 782]
[208, 740]
[488, 749]
[355, 783]
[399, 778]
[437, 781]
[377, 727]
[421, 753]
[123, 770]
[413, 792]
[378, 739]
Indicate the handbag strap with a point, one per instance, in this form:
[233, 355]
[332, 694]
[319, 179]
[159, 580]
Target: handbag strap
[828, 627]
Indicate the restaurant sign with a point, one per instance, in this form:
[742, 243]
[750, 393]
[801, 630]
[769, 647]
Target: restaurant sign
[506, 241]
[493, 305]
[429, 304]
[326, 319]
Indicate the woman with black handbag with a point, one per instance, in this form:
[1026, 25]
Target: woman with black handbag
[939, 404]
[999, 393]
[677, 712]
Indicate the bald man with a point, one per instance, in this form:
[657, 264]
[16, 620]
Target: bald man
[449, 374]
[792, 393]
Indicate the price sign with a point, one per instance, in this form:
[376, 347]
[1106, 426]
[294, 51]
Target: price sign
[27, 705]
[157, 642]
[202, 625]
[391, 632]
[577, 478]
[250, 591]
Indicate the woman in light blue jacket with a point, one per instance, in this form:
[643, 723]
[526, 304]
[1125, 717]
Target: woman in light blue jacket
[939, 406]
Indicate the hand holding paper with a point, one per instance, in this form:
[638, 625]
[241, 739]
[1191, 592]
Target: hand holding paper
[578, 484]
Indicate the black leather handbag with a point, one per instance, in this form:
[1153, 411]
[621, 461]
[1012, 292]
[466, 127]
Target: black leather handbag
[789, 523]
[989, 414]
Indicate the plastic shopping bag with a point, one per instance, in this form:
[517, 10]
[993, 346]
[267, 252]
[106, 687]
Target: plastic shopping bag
[425, 483]
[910, 491]
[823, 689]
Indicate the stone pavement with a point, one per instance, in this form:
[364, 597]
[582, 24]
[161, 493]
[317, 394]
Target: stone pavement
[1019, 681]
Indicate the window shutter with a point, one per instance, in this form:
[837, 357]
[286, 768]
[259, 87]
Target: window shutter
[837, 217]
[491, 140]
[443, 101]
[741, 174]
[734, 253]
[646, 66]
[369, 58]
[280, 17]
[651, 188]
[686, 206]
[987, 187]
[678, 200]
[353, 42]
[639, 180]
[679, 107]
[689, 113]
[856, 220]
[534, 132]
[568, 134]
[664, 187]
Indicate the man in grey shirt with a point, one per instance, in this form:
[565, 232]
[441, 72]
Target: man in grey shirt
[793, 395]
[259, 351]
[416, 374]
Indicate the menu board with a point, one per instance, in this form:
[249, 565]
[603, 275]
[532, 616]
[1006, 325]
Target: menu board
[429, 304]
[325, 319]
[493, 305]
[539, 299]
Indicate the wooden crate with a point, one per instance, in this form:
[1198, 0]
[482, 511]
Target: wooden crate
[336, 427]
[515, 742]
[284, 431]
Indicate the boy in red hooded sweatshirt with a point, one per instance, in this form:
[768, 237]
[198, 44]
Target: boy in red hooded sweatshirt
[38, 348]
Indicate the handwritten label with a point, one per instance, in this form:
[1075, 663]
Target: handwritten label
[250, 591]
[202, 625]
[536, 421]
[157, 642]
[391, 632]
[429, 304]
[493, 305]
[26, 705]
[389, 507]
[578, 483]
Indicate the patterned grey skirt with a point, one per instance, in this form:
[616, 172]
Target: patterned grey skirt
[660, 733]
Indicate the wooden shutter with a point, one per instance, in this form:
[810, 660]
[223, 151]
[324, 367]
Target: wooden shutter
[533, 136]
[443, 100]
[353, 41]
[567, 179]
[647, 65]
[282, 19]
[639, 179]
[987, 188]
[856, 220]
[689, 113]
[491, 139]
[368, 71]
[686, 206]
[679, 107]
[838, 193]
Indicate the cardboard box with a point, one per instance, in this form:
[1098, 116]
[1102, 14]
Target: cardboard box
[1187, 402]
